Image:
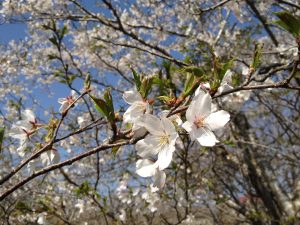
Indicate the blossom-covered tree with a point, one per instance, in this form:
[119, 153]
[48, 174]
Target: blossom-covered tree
[180, 112]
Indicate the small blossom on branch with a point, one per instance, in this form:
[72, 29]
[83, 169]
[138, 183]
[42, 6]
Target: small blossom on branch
[66, 102]
[160, 141]
[201, 121]
[23, 129]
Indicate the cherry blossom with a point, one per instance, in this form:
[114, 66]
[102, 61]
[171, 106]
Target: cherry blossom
[49, 157]
[148, 168]
[66, 102]
[201, 121]
[160, 141]
[23, 129]
[224, 86]
[138, 106]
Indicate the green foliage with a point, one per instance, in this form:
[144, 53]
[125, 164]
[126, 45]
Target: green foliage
[196, 71]
[257, 55]
[109, 104]
[143, 84]
[189, 84]
[22, 206]
[105, 106]
[219, 71]
[115, 150]
[165, 98]
[137, 79]
[100, 105]
[146, 86]
[289, 23]
[84, 189]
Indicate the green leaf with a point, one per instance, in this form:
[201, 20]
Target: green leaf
[109, 105]
[100, 106]
[146, 86]
[164, 98]
[289, 23]
[51, 57]
[257, 55]
[196, 71]
[137, 79]
[83, 189]
[63, 31]
[115, 150]
[54, 41]
[2, 129]
[189, 84]
[87, 81]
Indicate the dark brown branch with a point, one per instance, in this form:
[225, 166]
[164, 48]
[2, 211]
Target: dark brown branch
[65, 163]
[263, 21]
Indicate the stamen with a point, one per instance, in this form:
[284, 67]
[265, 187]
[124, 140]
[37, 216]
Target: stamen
[199, 122]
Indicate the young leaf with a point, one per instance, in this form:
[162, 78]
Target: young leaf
[100, 105]
[137, 79]
[63, 31]
[289, 23]
[146, 86]
[196, 71]
[256, 55]
[115, 150]
[109, 105]
[189, 84]
[53, 40]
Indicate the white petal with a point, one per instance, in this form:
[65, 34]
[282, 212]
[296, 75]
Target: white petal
[168, 126]
[73, 94]
[24, 124]
[17, 132]
[227, 77]
[133, 113]
[145, 168]
[200, 106]
[45, 158]
[159, 179]
[31, 166]
[62, 100]
[206, 138]
[63, 107]
[132, 97]
[174, 118]
[187, 126]
[202, 86]
[22, 147]
[152, 124]
[165, 157]
[138, 131]
[217, 120]
[148, 147]
[223, 88]
[28, 115]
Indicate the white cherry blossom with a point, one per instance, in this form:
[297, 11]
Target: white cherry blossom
[23, 129]
[66, 102]
[201, 121]
[160, 141]
[224, 86]
[148, 168]
[138, 106]
[49, 157]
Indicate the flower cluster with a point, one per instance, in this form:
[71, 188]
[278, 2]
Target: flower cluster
[156, 149]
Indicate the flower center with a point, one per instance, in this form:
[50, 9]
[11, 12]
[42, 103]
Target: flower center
[199, 122]
[164, 139]
[70, 100]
